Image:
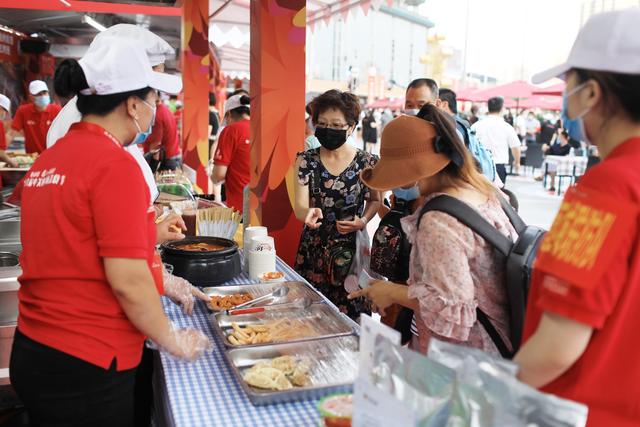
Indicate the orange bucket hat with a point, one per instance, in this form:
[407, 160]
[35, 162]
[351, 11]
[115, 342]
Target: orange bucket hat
[407, 154]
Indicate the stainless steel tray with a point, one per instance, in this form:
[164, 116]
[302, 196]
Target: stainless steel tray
[297, 290]
[322, 321]
[334, 368]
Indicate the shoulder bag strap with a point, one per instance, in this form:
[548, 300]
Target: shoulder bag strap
[315, 189]
[469, 217]
[493, 334]
[513, 216]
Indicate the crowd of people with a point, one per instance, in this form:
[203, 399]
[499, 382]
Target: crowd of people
[583, 302]
[581, 311]
[529, 137]
[42, 122]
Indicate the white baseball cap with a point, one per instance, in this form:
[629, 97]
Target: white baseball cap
[157, 49]
[234, 102]
[607, 42]
[122, 66]
[37, 86]
[5, 102]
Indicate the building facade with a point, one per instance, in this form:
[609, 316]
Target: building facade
[383, 48]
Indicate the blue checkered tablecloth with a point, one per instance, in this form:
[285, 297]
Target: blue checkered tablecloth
[206, 393]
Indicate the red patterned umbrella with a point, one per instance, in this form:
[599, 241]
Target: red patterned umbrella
[394, 104]
[518, 90]
[555, 90]
[466, 94]
[553, 103]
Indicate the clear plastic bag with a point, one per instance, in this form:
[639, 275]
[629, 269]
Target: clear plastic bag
[513, 402]
[458, 386]
[459, 358]
[360, 273]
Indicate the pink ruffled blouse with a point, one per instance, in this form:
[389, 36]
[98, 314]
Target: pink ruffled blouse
[453, 271]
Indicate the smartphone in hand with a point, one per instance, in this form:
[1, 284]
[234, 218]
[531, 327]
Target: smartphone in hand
[347, 213]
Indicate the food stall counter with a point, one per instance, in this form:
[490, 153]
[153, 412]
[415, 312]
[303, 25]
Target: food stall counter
[206, 393]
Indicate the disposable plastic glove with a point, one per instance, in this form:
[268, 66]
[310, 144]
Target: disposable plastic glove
[184, 344]
[181, 292]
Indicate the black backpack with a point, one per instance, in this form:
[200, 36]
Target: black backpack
[519, 258]
[390, 252]
[390, 248]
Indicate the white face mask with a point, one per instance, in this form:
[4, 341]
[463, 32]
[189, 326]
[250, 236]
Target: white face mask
[411, 111]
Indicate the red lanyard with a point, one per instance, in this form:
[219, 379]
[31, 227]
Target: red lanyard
[97, 129]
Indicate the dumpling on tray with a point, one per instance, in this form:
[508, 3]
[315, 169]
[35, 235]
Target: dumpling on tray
[286, 364]
[300, 376]
[267, 378]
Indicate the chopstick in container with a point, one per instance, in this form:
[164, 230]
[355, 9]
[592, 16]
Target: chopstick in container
[162, 217]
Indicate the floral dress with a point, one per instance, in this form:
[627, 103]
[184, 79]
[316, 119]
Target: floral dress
[335, 192]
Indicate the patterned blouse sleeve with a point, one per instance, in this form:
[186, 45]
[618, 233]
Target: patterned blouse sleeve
[304, 171]
[445, 289]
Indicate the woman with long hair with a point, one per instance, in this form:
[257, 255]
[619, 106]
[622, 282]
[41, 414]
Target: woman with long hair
[453, 271]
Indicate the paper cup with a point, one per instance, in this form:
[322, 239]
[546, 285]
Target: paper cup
[260, 263]
[250, 233]
[262, 244]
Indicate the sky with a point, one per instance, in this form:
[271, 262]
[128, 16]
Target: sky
[508, 39]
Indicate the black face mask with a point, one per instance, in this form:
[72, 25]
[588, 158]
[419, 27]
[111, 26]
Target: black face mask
[331, 139]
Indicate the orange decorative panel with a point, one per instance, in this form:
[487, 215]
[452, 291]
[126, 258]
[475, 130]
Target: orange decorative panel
[278, 32]
[196, 67]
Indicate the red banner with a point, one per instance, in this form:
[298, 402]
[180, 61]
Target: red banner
[8, 46]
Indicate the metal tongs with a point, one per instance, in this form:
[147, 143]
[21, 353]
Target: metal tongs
[301, 303]
[280, 292]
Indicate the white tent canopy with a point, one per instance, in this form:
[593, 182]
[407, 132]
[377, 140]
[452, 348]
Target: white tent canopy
[229, 27]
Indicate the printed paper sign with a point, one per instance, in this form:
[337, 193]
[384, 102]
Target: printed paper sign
[373, 407]
[369, 330]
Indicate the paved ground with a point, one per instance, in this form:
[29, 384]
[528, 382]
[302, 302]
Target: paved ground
[537, 206]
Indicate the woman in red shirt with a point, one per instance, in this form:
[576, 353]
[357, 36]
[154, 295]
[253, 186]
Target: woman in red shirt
[583, 315]
[90, 286]
[232, 154]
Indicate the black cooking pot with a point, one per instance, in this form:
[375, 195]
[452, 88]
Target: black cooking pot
[206, 268]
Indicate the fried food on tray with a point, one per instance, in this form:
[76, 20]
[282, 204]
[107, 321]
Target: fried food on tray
[252, 334]
[226, 302]
[277, 331]
[281, 373]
